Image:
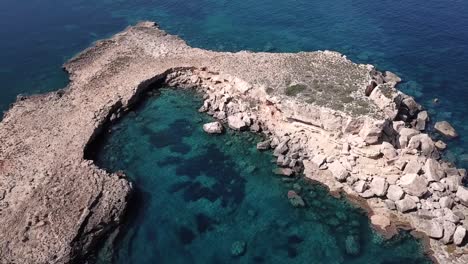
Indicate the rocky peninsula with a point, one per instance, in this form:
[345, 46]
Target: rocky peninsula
[342, 124]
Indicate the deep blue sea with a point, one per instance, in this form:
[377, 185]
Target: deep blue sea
[425, 42]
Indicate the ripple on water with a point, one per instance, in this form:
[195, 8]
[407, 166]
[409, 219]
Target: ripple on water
[192, 206]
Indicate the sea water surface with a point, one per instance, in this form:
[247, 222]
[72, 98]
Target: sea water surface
[425, 42]
[197, 195]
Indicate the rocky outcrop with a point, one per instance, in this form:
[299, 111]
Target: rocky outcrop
[213, 128]
[56, 205]
[444, 128]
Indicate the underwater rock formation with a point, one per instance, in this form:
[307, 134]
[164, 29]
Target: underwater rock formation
[345, 124]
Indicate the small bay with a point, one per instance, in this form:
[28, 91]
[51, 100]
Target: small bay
[203, 198]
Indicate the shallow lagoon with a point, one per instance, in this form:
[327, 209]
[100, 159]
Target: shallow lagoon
[197, 194]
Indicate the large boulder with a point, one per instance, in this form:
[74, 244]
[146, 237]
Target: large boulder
[339, 171]
[390, 77]
[421, 120]
[449, 230]
[395, 193]
[282, 148]
[459, 235]
[235, 122]
[379, 186]
[444, 128]
[433, 171]
[436, 230]
[414, 184]
[264, 145]
[405, 135]
[213, 128]
[388, 151]
[446, 202]
[405, 205]
[371, 131]
[462, 194]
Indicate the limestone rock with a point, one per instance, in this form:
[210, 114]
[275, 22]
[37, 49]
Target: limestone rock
[414, 184]
[213, 128]
[339, 171]
[437, 230]
[440, 145]
[444, 128]
[450, 216]
[433, 171]
[452, 183]
[449, 230]
[390, 77]
[395, 193]
[264, 145]
[235, 122]
[405, 135]
[388, 151]
[446, 202]
[413, 167]
[379, 186]
[282, 148]
[405, 205]
[371, 131]
[462, 194]
[360, 186]
[421, 120]
[459, 235]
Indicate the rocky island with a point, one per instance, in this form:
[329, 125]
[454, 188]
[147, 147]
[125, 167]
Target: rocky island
[342, 124]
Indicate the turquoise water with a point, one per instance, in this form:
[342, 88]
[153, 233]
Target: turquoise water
[197, 194]
[425, 42]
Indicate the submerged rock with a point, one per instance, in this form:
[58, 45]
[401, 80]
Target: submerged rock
[238, 248]
[295, 199]
[352, 245]
[444, 128]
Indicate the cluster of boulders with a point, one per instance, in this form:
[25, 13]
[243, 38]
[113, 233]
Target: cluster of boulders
[391, 160]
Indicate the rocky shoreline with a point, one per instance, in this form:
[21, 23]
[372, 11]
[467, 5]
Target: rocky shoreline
[343, 124]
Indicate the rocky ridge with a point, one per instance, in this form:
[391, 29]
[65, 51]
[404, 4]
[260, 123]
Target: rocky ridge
[342, 124]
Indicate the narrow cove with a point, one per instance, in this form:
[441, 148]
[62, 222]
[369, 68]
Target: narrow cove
[200, 197]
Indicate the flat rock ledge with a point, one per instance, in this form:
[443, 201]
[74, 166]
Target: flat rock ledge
[344, 124]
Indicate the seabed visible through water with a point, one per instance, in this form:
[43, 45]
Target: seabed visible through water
[200, 197]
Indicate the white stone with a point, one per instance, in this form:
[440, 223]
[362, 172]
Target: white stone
[395, 193]
[452, 183]
[379, 186]
[446, 202]
[213, 128]
[406, 205]
[444, 128]
[405, 135]
[433, 171]
[414, 184]
[462, 194]
[449, 230]
[371, 131]
[339, 171]
[412, 167]
[235, 122]
[459, 235]
[360, 186]
[437, 230]
[388, 151]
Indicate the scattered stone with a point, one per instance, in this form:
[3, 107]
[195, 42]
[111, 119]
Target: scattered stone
[367, 194]
[452, 183]
[339, 171]
[462, 194]
[282, 148]
[405, 205]
[414, 184]
[380, 221]
[433, 171]
[450, 216]
[213, 128]
[238, 248]
[444, 128]
[413, 167]
[395, 193]
[295, 199]
[437, 186]
[421, 120]
[284, 172]
[440, 145]
[360, 186]
[390, 77]
[264, 145]
[319, 159]
[449, 230]
[405, 135]
[379, 186]
[388, 151]
[459, 235]
[437, 230]
[446, 202]
[235, 122]
[371, 131]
